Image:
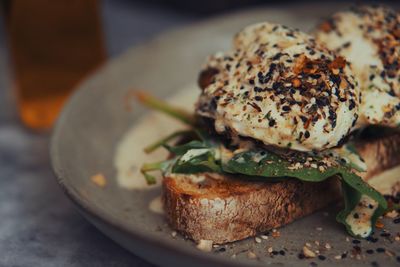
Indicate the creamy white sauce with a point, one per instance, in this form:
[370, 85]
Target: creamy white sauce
[129, 155]
[359, 219]
[156, 205]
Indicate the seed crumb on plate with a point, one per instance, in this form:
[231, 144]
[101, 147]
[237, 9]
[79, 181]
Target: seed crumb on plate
[308, 252]
[251, 255]
[99, 180]
[205, 245]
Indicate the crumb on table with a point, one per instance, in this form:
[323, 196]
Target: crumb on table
[99, 180]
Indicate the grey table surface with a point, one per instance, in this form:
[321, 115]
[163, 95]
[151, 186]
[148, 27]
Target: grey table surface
[38, 224]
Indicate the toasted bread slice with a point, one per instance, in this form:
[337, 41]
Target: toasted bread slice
[226, 209]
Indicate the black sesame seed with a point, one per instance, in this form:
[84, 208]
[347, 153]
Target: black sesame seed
[355, 241]
[385, 234]
[372, 239]
[396, 221]
[222, 249]
[257, 89]
[380, 250]
[321, 257]
[370, 206]
[313, 264]
[369, 251]
[258, 98]
[352, 104]
[306, 134]
[286, 108]
[276, 85]
[344, 255]
[275, 252]
[347, 44]
[277, 56]
[301, 256]
[374, 264]
[356, 216]
[251, 81]
[271, 122]
[282, 252]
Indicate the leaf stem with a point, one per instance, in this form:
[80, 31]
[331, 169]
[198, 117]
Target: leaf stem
[166, 139]
[157, 104]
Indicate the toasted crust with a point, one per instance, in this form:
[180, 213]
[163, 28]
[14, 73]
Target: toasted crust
[226, 209]
[380, 154]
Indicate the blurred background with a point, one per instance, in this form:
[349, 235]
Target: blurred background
[46, 48]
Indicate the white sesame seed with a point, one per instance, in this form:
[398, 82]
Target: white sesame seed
[257, 239]
[251, 255]
[205, 245]
[308, 252]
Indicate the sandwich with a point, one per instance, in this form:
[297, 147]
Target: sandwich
[279, 131]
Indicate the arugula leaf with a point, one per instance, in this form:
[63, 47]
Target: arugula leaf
[165, 140]
[271, 165]
[358, 195]
[204, 162]
[180, 150]
[162, 166]
[267, 165]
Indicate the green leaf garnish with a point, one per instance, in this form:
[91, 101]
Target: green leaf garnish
[165, 140]
[162, 166]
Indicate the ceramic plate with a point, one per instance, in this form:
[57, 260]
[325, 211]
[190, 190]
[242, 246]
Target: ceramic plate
[96, 141]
